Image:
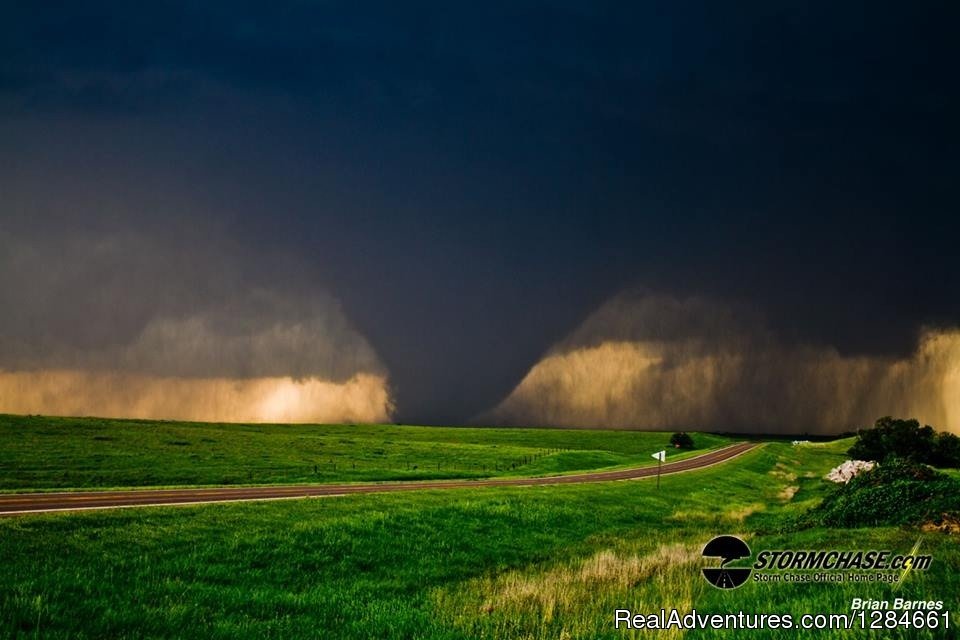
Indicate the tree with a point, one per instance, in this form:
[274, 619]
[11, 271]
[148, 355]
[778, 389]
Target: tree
[897, 437]
[946, 451]
[681, 440]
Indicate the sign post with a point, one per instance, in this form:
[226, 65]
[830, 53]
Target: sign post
[660, 456]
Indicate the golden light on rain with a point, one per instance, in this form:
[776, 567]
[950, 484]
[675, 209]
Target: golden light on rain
[361, 398]
[688, 364]
[173, 331]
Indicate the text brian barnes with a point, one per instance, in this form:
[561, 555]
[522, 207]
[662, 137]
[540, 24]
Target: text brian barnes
[898, 603]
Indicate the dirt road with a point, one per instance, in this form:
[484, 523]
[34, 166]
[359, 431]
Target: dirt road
[26, 503]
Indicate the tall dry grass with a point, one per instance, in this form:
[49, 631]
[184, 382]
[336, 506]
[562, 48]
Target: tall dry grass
[578, 598]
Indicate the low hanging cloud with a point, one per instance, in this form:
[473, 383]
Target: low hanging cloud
[186, 326]
[660, 362]
[362, 398]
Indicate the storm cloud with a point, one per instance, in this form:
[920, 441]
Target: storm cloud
[124, 324]
[415, 204]
[659, 362]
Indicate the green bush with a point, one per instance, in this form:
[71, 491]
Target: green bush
[906, 439]
[898, 491]
[896, 470]
[946, 451]
[681, 440]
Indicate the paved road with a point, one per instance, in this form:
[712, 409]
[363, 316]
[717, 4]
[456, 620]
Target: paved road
[25, 503]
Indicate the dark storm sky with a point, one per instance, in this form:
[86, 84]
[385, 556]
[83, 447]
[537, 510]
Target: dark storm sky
[471, 181]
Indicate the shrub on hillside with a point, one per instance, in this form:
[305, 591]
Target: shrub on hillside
[681, 440]
[906, 439]
[946, 451]
[898, 491]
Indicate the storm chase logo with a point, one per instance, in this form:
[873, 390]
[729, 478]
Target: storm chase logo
[728, 548]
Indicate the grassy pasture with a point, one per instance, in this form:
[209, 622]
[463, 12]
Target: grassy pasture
[57, 453]
[532, 563]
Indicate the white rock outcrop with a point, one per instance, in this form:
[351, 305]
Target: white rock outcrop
[848, 470]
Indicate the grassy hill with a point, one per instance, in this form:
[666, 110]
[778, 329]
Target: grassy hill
[536, 563]
[57, 453]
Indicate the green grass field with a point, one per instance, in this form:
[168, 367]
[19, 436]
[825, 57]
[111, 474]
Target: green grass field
[65, 453]
[498, 563]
